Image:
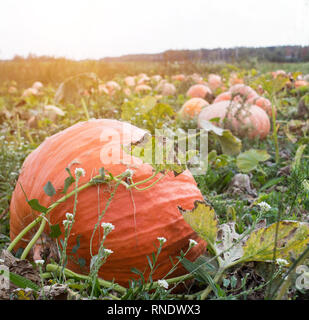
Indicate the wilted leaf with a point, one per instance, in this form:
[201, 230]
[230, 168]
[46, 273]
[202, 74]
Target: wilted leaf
[202, 218]
[292, 240]
[249, 160]
[230, 144]
[159, 152]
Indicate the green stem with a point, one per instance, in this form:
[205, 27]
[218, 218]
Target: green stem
[33, 240]
[85, 109]
[146, 180]
[151, 185]
[50, 208]
[275, 136]
[70, 274]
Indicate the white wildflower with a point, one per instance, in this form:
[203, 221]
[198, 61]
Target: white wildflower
[1, 261]
[264, 206]
[108, 251]
[39, 262]
[69, 216]
[162, 240]
[107, 227]
[163, 284]
[129, 173]
[66, 222]
[192, 243]
[281, 262]
[80, 172]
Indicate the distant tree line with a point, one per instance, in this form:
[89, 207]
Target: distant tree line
[272, 54]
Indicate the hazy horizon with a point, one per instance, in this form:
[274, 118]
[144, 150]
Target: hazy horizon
[97, 29]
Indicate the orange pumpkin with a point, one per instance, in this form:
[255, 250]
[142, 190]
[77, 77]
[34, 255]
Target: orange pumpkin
[142, 88]
[192, 108]
[234, 79]
[277, 73]
[198, 91]
[167, 89]
[139, 217]
[301, 83]
[263, 103]
[249, 120]
[129, 81]
[179, 77]
[227, 96]
[112, 87]
[214, 81]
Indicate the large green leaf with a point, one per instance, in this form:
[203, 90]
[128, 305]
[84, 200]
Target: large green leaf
[292, 240]
[232, 248]
[230, 144]
[249, 160]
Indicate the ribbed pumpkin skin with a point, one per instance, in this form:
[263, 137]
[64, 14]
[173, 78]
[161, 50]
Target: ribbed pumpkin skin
[252, 122]
[156, 213]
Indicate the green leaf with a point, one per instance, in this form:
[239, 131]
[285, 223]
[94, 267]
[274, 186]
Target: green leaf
[49, 189]
[55, 231]
[68, 181]
[22, 282]
[249, 160]
[298, 155]
[159, 153]
[271, 183]
[230, 144]
[35, 205]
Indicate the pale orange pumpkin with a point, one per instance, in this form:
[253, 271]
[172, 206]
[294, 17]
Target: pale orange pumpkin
[301, 83]
[142, 88]
[167, 89]
[243, 120]
[179, 77]
[192, 108]
[129, 81]
[198, 91]
[214, 81]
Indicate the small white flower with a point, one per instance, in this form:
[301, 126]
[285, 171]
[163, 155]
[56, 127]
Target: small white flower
[66, 222]
[129, 173]
[69, 216]
[281, 262]
[1, 261]
[162, 240]
[264, 206]
[108, 251]
[163, 284]
[80, 172]
[107, 227]
[192, 243]
[39, 262]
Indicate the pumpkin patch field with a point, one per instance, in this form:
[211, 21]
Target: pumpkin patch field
[153, 181]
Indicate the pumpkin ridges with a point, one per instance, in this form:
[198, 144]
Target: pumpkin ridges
[182, 191]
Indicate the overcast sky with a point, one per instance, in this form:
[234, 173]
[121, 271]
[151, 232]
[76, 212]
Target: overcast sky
[98, 28]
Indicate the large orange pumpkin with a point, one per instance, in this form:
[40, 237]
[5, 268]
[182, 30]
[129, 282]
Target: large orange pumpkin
[139, 217]
[243, 120]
